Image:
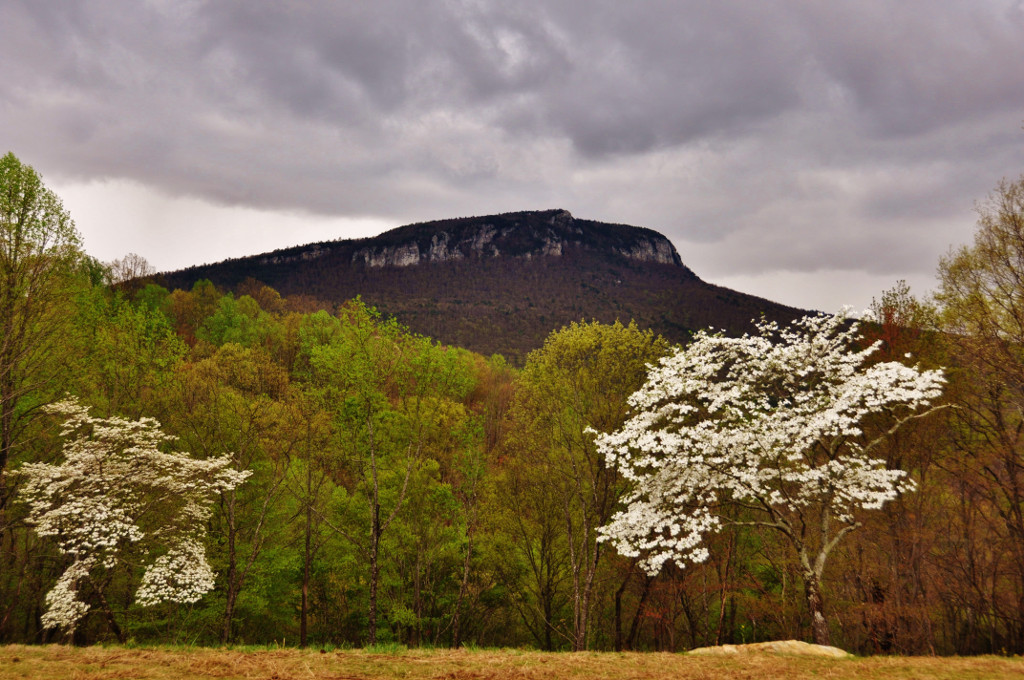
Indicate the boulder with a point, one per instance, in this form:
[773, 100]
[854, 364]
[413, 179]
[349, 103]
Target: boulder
[791, 647]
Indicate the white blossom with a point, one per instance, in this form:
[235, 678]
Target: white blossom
[182, 575]
[62, 603]
[774, 421]
[119, 493]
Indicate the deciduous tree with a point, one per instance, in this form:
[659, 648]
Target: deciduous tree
[39, 249]
[385, 387]
[130, 272]
[982, 299]
[774, 423]
[576, 383]
[120, 494]
[230, 404]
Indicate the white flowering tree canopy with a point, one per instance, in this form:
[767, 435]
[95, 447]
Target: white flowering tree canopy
[120, 493]
[773, 424]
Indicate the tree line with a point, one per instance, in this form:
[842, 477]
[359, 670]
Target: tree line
[381, 487]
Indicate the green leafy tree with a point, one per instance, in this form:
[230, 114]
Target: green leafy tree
[385, 387]
[189, 309]
[122, 353]
[232, 404]
[578, 382]
[310, 483]
[39, 254]
[240, 321]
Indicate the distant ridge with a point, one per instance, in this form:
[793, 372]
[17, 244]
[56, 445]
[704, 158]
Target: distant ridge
[502, 283]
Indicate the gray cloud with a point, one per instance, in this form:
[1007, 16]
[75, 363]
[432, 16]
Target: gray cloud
[781, 135]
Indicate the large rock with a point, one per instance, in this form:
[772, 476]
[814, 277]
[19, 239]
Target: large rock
[793, 647]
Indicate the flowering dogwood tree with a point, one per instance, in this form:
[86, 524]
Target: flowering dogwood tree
[771, 424]
[119, 494]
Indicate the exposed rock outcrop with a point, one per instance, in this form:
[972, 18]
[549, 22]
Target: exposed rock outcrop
[307, 253]
[651, 250]
[403, 255]
[792, 647]
[527, 235]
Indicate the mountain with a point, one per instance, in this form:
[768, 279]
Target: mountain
[502, 283]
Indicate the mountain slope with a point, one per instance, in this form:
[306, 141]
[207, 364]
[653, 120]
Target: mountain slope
[501, 283]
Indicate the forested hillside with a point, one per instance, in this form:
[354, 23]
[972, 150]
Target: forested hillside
[499, 284]
[353, 481]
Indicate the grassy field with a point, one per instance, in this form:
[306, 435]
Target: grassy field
[95, 663]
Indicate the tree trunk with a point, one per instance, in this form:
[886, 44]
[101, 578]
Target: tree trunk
[723, 591]
[463, 586]
[547, 597]
[229, 610]
[634, 628]
[108, 612]
[371, 637]
[618, 609]
[583, 617]
[7, 403]
[416, 631]
[690, 616]
[307, 558]
[816, 608]
[232, 575]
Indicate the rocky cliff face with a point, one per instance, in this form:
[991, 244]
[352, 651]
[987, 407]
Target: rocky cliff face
[311, 252]
[527, 235]
[442, 248]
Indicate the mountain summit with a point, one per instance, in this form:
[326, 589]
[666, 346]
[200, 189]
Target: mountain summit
[501, 283]
[522, 235]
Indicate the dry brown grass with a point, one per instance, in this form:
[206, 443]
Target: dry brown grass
[115, 663]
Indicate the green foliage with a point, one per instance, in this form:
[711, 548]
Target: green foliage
[238, 321]
[154, 298]
[123, 352]
[41, 266]
[558, 488]
[483, 477]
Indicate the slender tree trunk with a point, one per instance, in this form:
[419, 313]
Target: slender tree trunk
[232, 573]
[575, 562]
[8, 566]
[307, 551]
[306, 560]
[634, 627]
[417, 600]
[584, 561]
[618, 609]
[548, 597]
[374, 539]
[7, 401]
[374, 572]
[690, 616]
[109, 613]
[816, 607]
[229, 610]
[582, 632]
[723, 590]
[463, 586]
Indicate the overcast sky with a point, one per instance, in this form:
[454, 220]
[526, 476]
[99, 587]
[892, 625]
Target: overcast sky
[810, 152]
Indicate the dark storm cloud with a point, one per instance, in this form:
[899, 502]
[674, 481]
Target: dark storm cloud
[909, 67]
[668, 75]
[803, 134]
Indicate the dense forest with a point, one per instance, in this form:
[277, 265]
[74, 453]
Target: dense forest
[368, 484]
